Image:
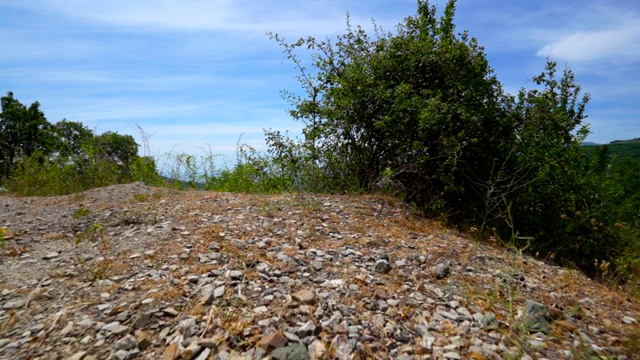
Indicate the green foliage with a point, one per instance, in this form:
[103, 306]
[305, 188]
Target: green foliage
[3, 230]
[546, 143]
[39, 175]
[144, 169]
[23, 131]
[81, 213]
[252, 173]
[619, 149]
[419, 113]
[614, 168]
[71, 137]
[418, 102]
[618, 183]
[121, 150]
[189, 171]
[37, 158]
[623, 149]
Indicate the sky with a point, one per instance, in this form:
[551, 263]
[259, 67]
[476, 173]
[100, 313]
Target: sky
[201, 76]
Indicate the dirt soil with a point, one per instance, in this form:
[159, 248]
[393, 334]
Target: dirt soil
[137, 272]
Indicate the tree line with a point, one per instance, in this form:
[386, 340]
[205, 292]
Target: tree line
[41, 158]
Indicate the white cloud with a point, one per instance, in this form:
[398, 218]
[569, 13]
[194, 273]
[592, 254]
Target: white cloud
[619, 42]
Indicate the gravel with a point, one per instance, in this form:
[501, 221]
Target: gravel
[133, 272]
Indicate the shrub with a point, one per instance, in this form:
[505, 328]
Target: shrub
[422, 110]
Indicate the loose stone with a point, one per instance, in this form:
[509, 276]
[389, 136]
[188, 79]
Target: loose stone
[293, 352]
[382, 267]
[126, 343]
[115, 328]
[50, 256]
[304, 297]
[273, 340]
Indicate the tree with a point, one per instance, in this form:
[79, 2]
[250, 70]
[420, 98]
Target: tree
[38, 158]
[22, 131]
[422, 103]
[113, 147]
[422, 110]
[547, 167]
[71, 136]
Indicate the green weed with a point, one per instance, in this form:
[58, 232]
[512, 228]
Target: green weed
[81, 213]
[3, 230]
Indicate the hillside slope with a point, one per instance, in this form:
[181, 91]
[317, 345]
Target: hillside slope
[130, 271]
[620, 149]
[625, 149]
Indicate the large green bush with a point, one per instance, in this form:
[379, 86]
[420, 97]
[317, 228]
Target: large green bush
[420, 113]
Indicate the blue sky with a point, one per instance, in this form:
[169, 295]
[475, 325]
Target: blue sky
[198, 74]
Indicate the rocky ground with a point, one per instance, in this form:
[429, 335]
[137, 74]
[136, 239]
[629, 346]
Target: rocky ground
[132, 272]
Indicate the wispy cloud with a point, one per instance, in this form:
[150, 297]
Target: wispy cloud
[594, 32]
[289, 17]
[157, 14]
[619, 43]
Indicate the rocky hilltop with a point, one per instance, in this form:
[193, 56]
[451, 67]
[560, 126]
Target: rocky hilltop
[133, 272]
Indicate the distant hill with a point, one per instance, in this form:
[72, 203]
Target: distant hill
[625, 149]
[621, 149]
